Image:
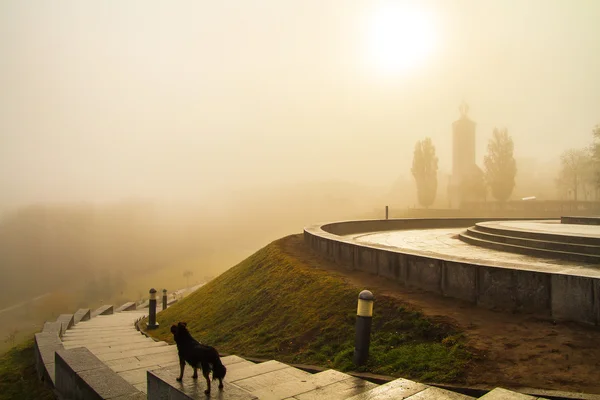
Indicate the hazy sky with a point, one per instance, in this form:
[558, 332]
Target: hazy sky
[186, 99]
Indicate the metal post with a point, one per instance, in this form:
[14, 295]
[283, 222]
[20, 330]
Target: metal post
[386, 212]
[164, 301]
[364, 318]
[152, 324]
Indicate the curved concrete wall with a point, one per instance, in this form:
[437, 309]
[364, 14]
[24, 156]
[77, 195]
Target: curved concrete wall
[565, 297]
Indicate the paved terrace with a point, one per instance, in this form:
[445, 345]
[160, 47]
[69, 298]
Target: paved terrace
[444, 243]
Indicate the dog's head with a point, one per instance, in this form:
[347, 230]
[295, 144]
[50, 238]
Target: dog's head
[179, 328]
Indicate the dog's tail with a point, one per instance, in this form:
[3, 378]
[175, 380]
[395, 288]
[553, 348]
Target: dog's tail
[219, 369]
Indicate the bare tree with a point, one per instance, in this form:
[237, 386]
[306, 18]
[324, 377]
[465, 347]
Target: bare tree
[575, 172]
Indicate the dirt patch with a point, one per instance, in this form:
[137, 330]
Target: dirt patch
[511, 350]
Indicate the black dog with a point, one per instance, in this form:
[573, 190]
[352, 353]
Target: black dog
[197, 355]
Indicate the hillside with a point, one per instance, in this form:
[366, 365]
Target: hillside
[18, 378]
[276, 305]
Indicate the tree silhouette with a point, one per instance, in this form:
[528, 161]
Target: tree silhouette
[596, 154]
[424, 170]
[500, 165]
[576, 170]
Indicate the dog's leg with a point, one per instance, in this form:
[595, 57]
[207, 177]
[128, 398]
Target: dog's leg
[205, 372]
[220, 383]
[195, 376]
[181, 368]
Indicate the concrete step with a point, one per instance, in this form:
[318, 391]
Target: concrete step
[263, 385]
[503, 394]
[339, 390]
[53, 327]
[103, 310]
[130, 363]
[536, 243]
[162, 385]
[254, 370]
[104, 342]
[530, 251]
[67, 321]
[83, 314]
[136, 352]
[432, 393]
[129, 306]
[397, 389]
[406, 389]
[100, 348]
[98, 337]
[297, 386]
[495, 228]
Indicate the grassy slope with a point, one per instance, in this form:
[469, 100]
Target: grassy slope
[18, 378]
[274, 305]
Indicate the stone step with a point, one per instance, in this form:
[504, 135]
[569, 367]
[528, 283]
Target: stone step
[125, 335]
[53, 327]
[98, 332]
[103, 310]
[530, 251]
[535, 243]
[405, 389]
[305, 384]
[131, 363]
[105, 342]
[397, 389]
[136, 352]
[433, 393]
[100, 348]
[101, 332]
[254, 370]
[261, 385]
[496, 228]
[339, 390]
[162, 385]
[83, 314]
[129, 306]
[503, 394]
[67, 321]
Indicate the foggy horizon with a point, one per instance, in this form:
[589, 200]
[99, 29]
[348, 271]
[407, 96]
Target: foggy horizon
[196, 100]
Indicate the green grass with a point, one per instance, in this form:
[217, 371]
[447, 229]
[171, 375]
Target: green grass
[18, 377]
[275, 305]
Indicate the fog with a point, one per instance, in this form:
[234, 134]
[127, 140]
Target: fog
[215, 126]
[195, 100]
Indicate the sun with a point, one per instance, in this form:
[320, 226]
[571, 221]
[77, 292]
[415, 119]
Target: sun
[399, 37]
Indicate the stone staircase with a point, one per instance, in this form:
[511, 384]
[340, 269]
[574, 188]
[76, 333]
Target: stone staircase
[151, 367]
[495, 236]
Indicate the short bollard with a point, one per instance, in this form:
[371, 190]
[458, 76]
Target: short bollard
[364, 317]
[164, 301]
[152, 324]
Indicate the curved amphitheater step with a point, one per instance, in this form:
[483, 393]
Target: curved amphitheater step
[498, 237]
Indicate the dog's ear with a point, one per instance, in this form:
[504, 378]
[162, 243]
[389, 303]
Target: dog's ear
[184, 324]
[173, 328]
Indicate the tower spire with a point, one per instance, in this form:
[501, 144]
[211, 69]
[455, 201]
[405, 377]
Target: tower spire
[464, 109]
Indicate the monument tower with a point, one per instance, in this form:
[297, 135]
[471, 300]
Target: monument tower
[467, 177]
